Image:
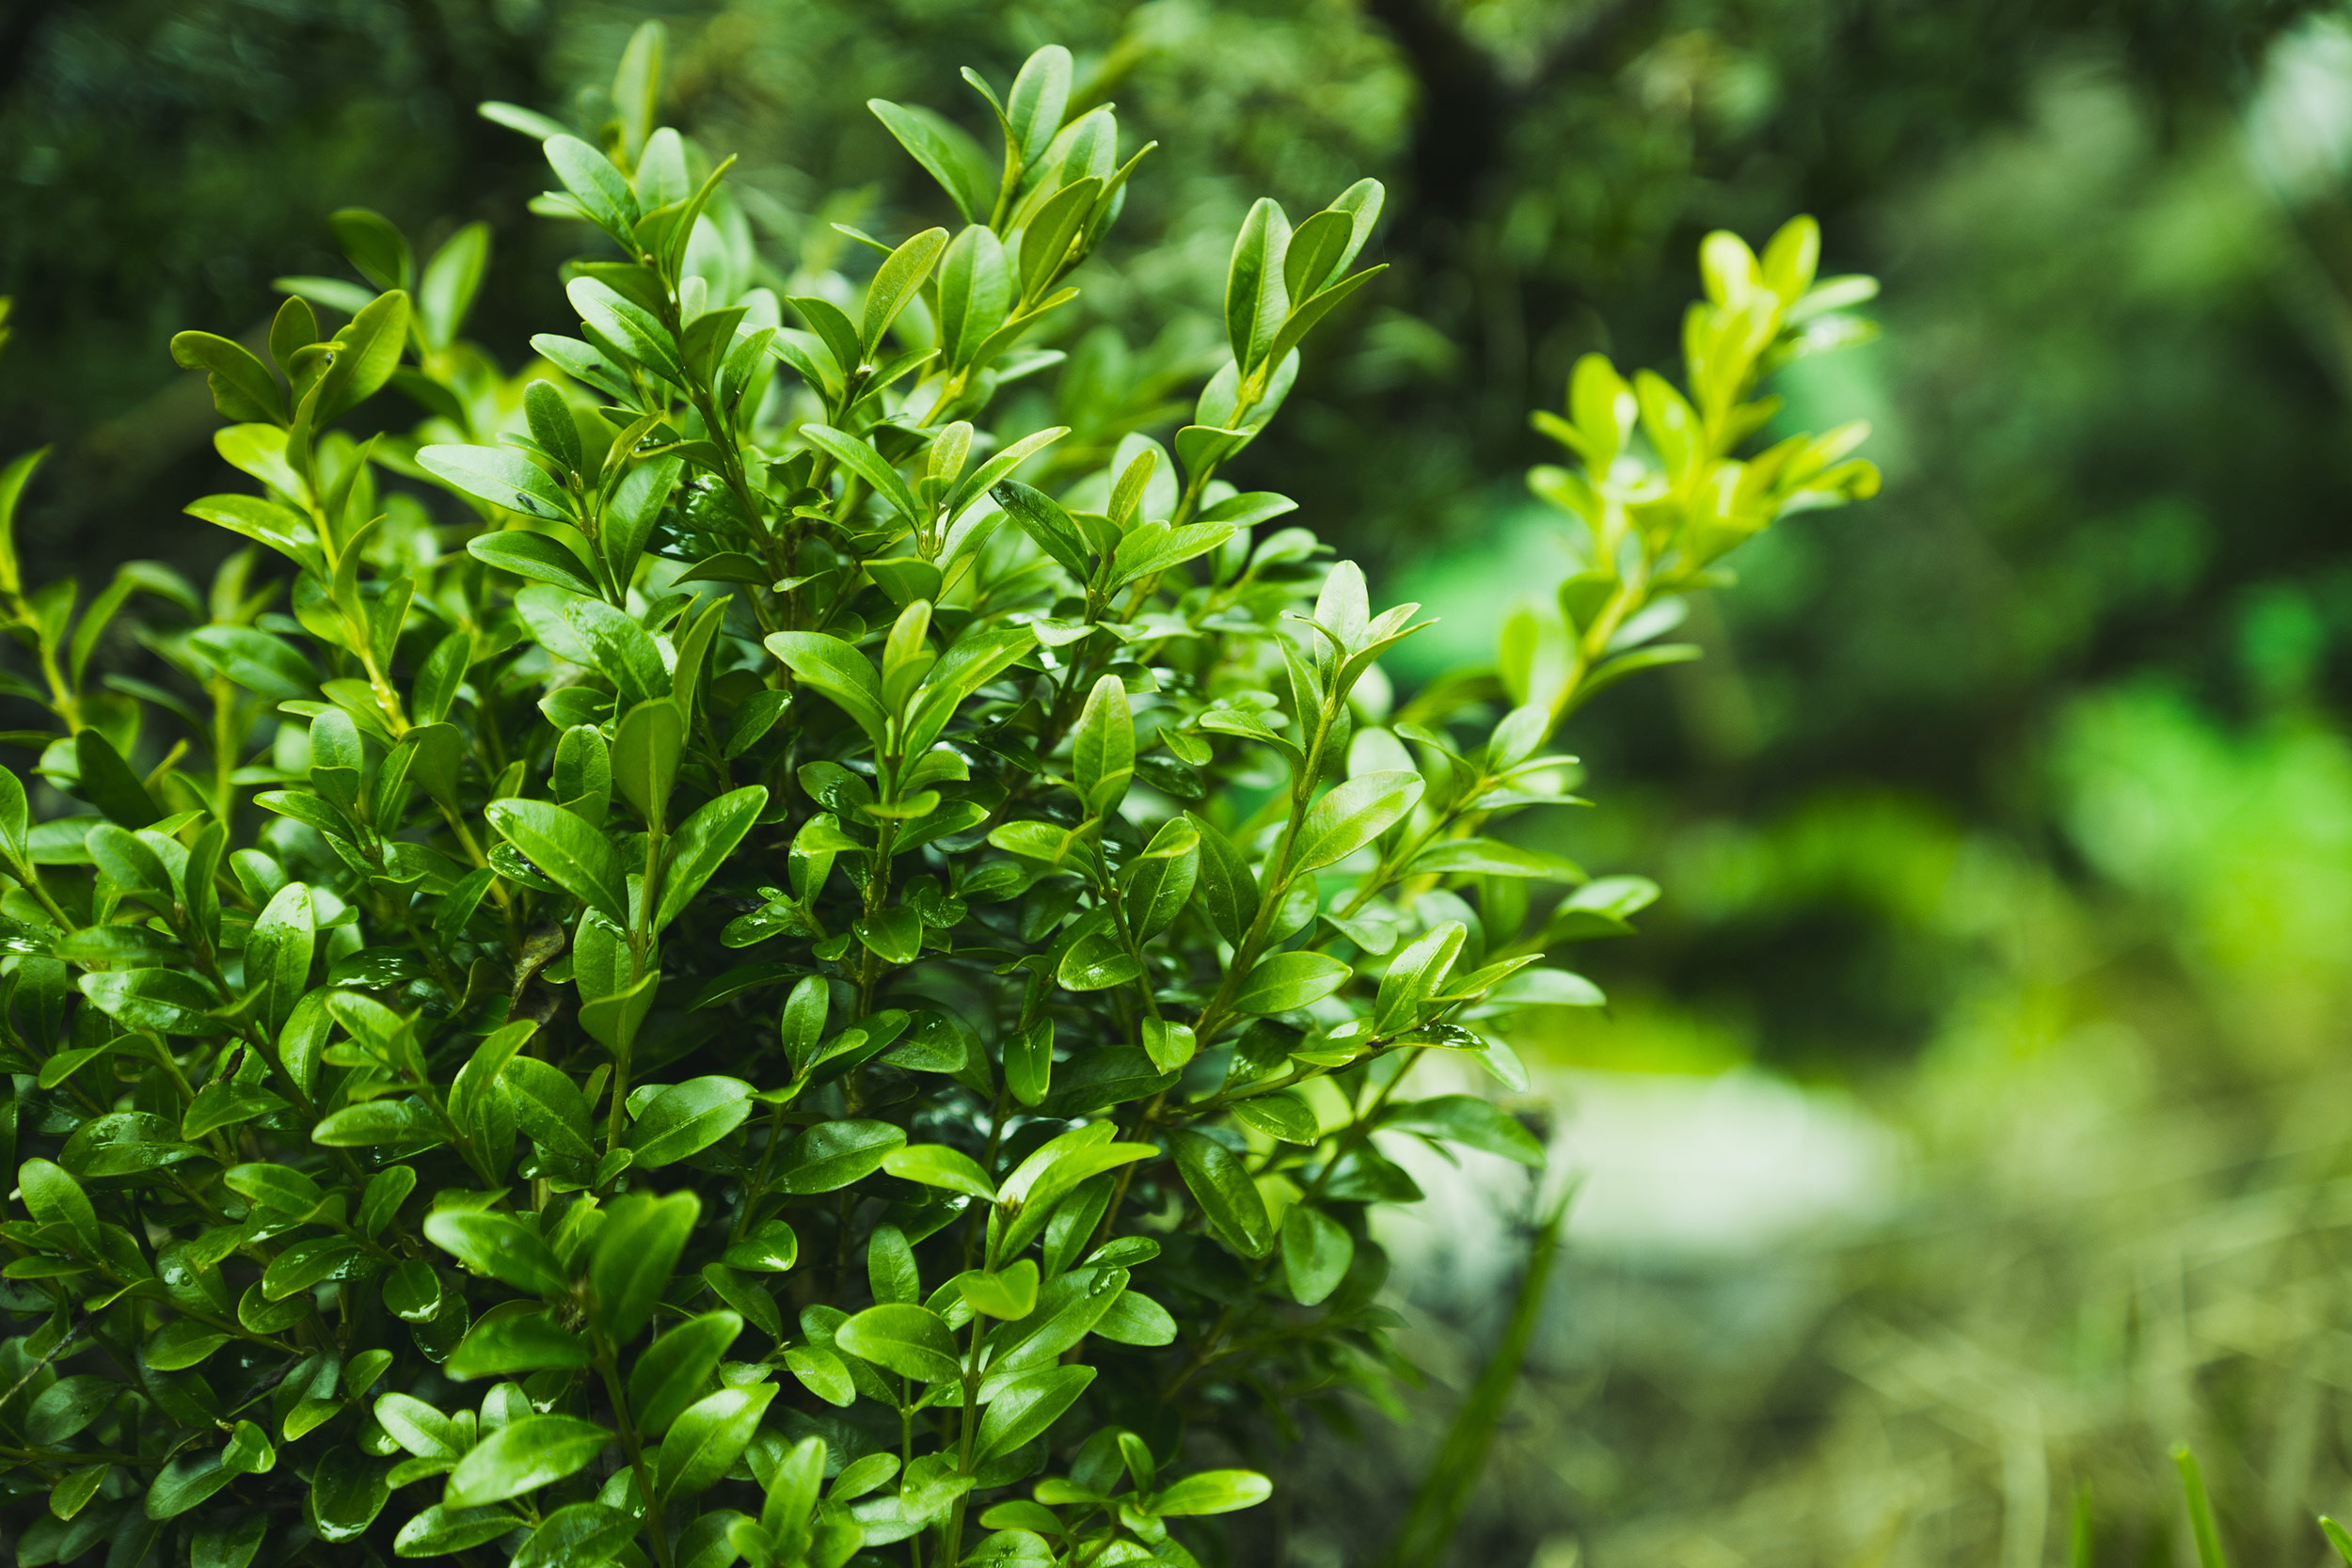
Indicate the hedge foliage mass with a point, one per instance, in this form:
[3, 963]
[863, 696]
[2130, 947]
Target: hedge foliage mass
[724, 953]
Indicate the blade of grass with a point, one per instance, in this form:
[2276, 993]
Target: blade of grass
[1445, 1491]
[2199, 1509]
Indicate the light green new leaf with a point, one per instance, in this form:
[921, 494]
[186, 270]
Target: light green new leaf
[1214, 1492]
[503, 477]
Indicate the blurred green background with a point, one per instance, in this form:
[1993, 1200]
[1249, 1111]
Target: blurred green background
[1969, 1121]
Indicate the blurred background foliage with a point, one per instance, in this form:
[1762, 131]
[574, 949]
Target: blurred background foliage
[1968, 1123]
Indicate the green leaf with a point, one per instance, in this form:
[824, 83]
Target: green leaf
[1035, 107]
[974, 293]
[505, 477]
[1282, 981]
[686, 1118]
[378, 249]
[1227, 892]
[1029, 1062]
[597, 186]
[1488, 857]
[548, 1107]
[347, 1491]
[1011, 1293]
[445, 293]
[628, 326]
[1169, 1045]
[1102, 751]
[499, 1245]
[705, 1442]
[831, 1154]
[185, 1483]
[840, 672]
[1047, 238]
[578, 1535]
[671, 1374]
[1352, 815]
[277, 953]
[1225, 1193]
[1136, 1319]
[15, 822]
[518, 1342]
[1281, 1115]
[1151, 547]
[770, 1248]
[168, 1001]
[534, 557]
[366, 351]
[984, 479]
[1254, 301]
[747, 1297]
[901, 273]
[1027, 1404]
[894, 935]
[702, 845]
[619, 648]
[1043, 519]
[107, 783]
[946, 154]
[1467, 1120]
[1304, 316]
[243, 387]
[574, 855]
[1316, 1254]
[634, 1254]
[1213, 1491]
[937, 1166]
[441, 1529]
[860, 459]
[1414, 972]
[523, 1456]
[1546, 988]
[645, 752]
[376, 1121]
[912, 1341]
